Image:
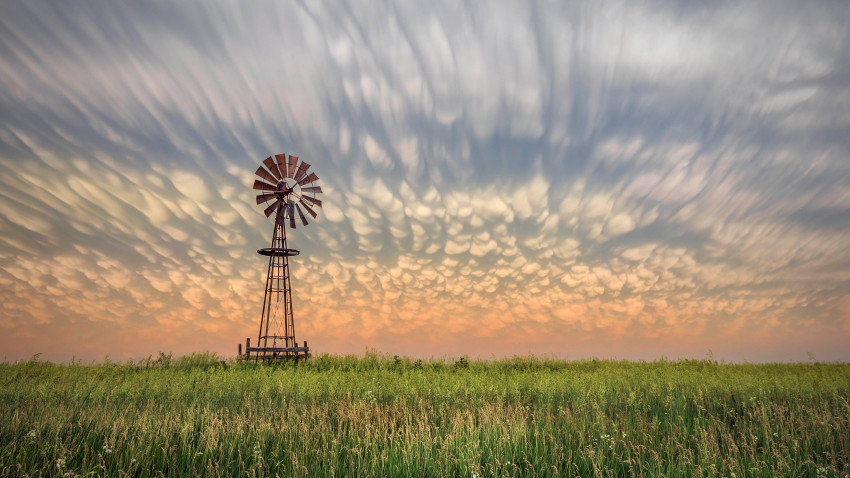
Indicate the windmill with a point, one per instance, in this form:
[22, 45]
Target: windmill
[286, 188]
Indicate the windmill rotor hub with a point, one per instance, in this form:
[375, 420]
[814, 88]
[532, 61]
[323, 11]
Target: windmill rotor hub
[286, 187]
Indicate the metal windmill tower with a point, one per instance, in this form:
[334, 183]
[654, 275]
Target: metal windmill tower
[288, 187]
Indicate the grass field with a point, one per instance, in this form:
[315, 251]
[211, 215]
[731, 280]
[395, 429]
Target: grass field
[379, 415]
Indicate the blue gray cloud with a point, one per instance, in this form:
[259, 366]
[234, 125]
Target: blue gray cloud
[617, 179]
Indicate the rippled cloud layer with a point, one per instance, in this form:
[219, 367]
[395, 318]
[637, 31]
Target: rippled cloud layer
[579, 179]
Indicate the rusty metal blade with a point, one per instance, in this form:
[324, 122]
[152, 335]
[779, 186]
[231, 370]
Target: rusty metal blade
[312, 200]
[261, 172]
[269, 210]
[309, 210]
[270, 164]
[293, 162]
[281, 164]
[264, 186]
[303, 219]
[312, 189]
[309, 178]
[265, 197]
[292, 214]
[302, 170]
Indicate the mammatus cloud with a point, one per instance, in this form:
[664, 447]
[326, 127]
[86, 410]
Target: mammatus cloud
[577, 179]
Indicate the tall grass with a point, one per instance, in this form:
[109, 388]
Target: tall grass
[386, 416]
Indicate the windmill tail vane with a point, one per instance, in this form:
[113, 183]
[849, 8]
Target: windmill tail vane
[286, 190]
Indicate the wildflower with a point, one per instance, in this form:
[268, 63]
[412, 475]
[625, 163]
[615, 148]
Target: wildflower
[775, 434]
[31, 434]
[60, 463]
[106, 449]
[624, 435]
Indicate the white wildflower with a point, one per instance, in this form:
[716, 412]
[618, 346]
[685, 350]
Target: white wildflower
[60, 463]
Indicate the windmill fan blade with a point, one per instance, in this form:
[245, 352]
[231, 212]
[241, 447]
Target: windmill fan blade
[303, 219]
[312, 189]
[269, 162]
[312, 200]
[261, 172]
[293, 161]
[269, 210]
[265, 197]
[309, 179]
[264, 186]
[309, 210]
[302, 170]
[291, 214]
[281, 164]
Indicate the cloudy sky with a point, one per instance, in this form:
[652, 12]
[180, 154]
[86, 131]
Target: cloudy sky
[575, 179]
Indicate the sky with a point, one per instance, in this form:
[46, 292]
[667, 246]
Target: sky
[631, 180]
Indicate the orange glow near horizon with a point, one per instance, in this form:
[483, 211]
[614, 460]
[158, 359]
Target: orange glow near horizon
[554, 322]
